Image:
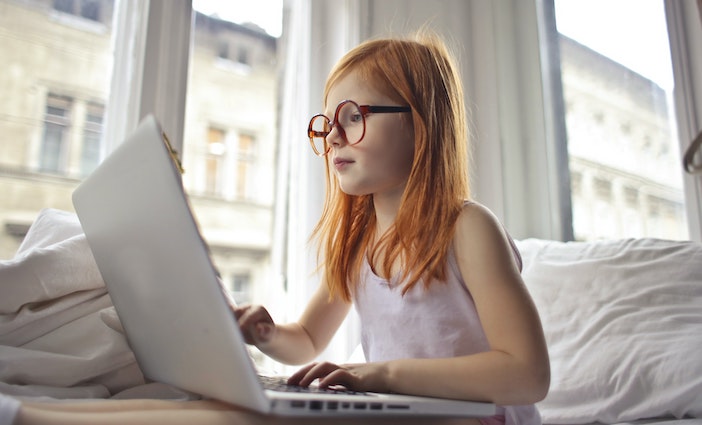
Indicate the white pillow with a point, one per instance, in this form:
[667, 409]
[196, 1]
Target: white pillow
[623, 321]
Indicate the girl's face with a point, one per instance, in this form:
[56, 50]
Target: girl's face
[381, 162]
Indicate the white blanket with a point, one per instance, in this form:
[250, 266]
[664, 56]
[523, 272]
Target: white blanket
[60, 336]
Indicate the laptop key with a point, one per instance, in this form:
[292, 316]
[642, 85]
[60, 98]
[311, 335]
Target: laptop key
[277, 383]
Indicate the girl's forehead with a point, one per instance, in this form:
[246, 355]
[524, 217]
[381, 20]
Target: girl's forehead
[352, 87]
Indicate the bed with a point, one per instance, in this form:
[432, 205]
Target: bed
[623, 321]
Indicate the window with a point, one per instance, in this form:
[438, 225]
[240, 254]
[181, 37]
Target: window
[214, 161]
[242, 55]
[88, 9]
[230, 143]
[241, 287]
[237, 53]
[65, 132]
[227, 165]
[92, 138]
[621, 129]
[245, 163]
[53, 157]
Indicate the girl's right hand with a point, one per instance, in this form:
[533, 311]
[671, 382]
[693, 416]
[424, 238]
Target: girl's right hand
[255, 323]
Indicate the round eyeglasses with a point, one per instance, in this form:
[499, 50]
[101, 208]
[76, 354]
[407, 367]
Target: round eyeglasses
[350, 122]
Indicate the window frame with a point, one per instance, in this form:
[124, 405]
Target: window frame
[684, 20]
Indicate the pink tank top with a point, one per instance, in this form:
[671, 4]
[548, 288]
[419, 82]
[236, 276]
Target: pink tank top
[440, 321]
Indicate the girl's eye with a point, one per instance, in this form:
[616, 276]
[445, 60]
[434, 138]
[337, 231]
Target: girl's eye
[356, 117]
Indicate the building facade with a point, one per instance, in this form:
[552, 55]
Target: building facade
[55, 83]
[623, 156]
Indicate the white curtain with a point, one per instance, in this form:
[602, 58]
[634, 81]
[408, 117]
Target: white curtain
[317, 34]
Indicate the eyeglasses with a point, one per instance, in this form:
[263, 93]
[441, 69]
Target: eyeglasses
[350, 122]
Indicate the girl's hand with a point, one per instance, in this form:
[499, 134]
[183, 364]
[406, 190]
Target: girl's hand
[355, 377]
[256, 324]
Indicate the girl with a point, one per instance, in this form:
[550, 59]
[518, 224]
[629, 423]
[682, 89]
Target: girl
[434, 277]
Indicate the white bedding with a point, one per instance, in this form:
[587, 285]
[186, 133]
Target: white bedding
[623, 322]
[59, 334]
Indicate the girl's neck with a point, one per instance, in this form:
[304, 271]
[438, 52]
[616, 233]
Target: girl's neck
[386, 209]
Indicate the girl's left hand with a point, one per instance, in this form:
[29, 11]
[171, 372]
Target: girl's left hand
[355, 377]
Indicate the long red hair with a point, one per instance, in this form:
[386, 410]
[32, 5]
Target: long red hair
[418, 72]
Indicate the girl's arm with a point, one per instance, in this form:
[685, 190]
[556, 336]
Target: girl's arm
[516, 368]
[294, 343]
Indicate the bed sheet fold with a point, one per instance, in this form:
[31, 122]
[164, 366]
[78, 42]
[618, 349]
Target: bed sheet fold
[60, 336]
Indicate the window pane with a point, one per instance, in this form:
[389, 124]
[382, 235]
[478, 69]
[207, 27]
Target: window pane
[216, 150]
[246, 163]
[230, 137]
[51, 148]
[54, 79]
[623, 155]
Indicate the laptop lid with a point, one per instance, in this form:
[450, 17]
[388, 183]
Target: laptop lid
[157, 269]
[164, 286]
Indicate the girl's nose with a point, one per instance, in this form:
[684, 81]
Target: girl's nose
[336, 136]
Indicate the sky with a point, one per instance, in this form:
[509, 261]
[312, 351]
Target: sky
[631, 32]
[267, 14]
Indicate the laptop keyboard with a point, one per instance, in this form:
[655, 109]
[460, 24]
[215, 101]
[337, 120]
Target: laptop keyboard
[279, 383]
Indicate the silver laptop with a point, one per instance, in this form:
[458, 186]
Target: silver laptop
[158, 271]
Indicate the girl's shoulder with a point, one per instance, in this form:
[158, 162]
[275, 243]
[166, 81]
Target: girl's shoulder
[476, 214]
[478, 230]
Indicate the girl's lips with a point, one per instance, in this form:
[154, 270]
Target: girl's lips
[340, 163]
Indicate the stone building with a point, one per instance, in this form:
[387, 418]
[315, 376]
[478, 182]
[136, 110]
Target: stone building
[55, 82]
[623, 157]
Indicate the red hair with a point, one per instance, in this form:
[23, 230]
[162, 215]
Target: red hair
[420, 73]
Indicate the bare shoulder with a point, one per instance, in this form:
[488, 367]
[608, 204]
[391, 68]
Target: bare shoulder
[476, 221]
[480, 239]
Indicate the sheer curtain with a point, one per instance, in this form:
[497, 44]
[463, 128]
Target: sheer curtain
[318, 33]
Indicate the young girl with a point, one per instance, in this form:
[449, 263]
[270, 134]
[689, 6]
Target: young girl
[434, 277]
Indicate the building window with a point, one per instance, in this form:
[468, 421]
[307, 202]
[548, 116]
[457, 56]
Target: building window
[223, 50]
[245, 163]
[242, 55]
[72, 137]
[241, 287]
[53, 157]
[92, 138]
[603, 189]
[214, 160]
[88, 9]
[226, 165]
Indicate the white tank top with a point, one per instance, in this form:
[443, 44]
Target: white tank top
[434, 322]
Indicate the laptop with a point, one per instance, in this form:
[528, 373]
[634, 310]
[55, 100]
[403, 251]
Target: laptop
[158, 271]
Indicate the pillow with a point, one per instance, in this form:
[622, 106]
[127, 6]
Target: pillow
[623, 322]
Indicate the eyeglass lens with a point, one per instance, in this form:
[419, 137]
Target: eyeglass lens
[350, 123]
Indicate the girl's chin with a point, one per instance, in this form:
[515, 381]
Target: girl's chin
[352, 190]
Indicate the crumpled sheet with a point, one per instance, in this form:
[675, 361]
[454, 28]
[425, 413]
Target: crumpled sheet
[60, 337]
